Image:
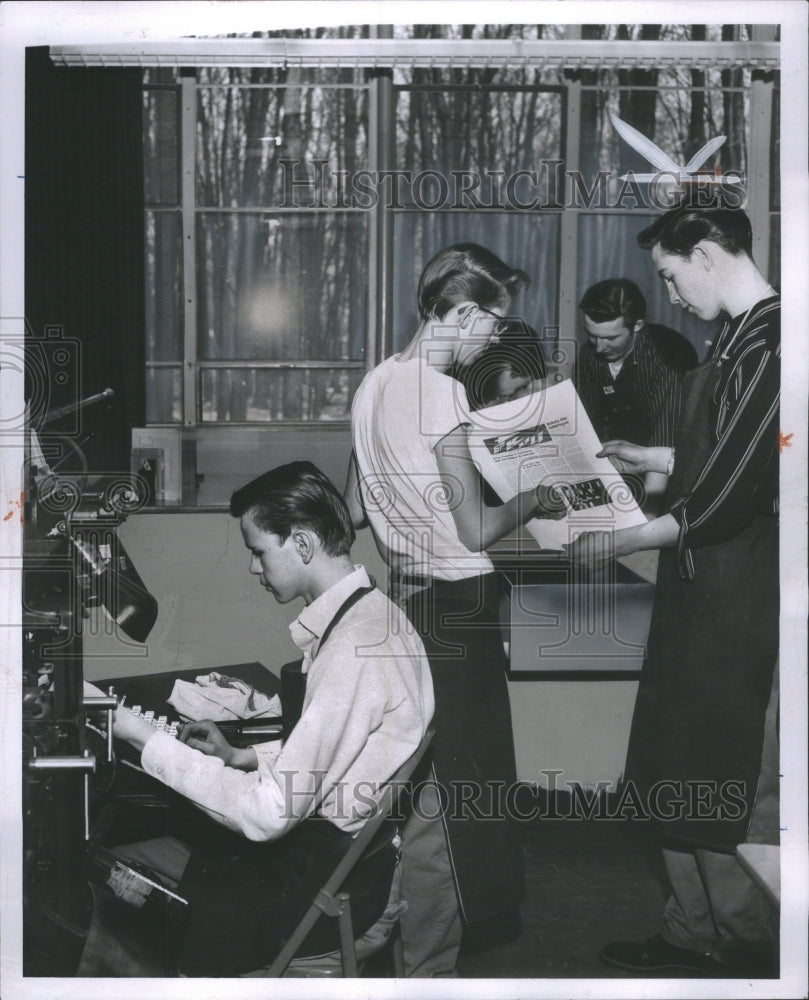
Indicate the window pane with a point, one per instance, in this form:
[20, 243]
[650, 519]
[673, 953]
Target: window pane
[161, 147]
[164, 304]
[440, 130]
[283, 287]
[163, 395]
[254, 142]
[262, 396]
[529, 241]
[608, 249]
[679, 120]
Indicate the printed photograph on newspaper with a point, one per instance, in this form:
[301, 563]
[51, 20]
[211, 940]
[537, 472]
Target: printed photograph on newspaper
[546, 439]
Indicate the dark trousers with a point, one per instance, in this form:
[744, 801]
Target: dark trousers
[473, 749]
[244, 906]
[244, 900]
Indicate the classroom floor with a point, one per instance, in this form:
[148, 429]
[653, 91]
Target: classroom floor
[588, 882]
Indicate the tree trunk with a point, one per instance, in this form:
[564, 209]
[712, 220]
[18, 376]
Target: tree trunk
[696, 118]
[637, 107]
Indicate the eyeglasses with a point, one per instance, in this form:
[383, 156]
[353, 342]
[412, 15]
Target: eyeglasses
[501, 324]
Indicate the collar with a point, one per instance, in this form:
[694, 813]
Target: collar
[736, 328]
[313, 621]
[631, 358]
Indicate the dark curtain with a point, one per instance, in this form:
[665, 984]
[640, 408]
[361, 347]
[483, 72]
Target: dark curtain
[84, 252]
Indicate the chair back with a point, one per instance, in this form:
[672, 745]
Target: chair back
[326, 900]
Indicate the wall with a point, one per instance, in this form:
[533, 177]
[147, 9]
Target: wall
[214, 613]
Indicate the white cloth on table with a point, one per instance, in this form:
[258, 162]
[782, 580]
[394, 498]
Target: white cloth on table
[221, 698]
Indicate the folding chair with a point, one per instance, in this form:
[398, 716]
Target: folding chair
[333, 902]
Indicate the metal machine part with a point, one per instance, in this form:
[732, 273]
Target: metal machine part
[72, 561]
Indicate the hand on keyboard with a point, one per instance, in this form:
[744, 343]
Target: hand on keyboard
[207, 737]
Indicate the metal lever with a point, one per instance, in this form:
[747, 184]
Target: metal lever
[110, 702]
[85, 763]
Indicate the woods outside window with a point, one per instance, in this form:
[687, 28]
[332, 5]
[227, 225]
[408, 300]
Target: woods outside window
[290, 210]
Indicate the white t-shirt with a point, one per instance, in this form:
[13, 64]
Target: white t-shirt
[400, 412]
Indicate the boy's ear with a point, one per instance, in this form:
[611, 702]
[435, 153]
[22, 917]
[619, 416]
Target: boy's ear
[304, 542]
[704, 253]
[465, 311]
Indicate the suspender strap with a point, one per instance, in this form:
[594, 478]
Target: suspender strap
[347, 604]
[293, 680]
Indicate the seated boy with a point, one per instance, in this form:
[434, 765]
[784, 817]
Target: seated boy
[367, 704]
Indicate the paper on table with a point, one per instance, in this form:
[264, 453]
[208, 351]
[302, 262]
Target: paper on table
[547, 438]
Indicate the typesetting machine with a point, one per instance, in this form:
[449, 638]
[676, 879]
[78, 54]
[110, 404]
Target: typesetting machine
[72, 562]
[81, 792]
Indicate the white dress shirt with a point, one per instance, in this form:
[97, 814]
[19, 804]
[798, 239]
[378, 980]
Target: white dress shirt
[368, 702]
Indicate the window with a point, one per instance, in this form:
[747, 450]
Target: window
[163, 242]
[257, 275]
[466, 184]
[291, 208]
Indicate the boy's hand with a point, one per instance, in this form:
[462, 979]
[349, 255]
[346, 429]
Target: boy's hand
[634, 458]
[549, 503]
[207, 737]
[592, 550]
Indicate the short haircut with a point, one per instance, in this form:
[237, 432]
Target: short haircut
[519, 351]
[297, 495]
[680, 229]
[467, 272]
[614, 297]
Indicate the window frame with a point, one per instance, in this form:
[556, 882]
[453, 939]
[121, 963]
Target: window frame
[193, 368]
[381, 138]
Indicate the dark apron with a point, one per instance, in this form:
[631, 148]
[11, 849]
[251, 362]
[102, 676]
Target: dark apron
[696, 740]
[473, 748]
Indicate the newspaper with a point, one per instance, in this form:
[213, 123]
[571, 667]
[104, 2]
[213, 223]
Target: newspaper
[547, 438]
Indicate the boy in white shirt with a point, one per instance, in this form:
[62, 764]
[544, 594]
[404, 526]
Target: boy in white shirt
[368, 702]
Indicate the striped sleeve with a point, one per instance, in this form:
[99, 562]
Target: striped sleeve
[740, 478]
[662, 394]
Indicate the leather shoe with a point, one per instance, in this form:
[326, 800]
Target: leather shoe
[657, 955]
